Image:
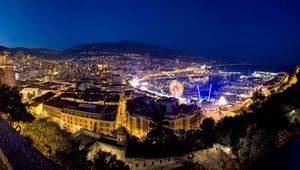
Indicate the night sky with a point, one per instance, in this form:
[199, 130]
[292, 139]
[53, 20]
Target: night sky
[236, 31]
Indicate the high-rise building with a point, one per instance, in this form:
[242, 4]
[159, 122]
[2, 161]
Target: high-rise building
[7, 75]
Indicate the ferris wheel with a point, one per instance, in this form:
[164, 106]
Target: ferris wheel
[176, 88]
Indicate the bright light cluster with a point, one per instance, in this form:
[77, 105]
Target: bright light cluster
[222, 101]
[134, 82]
[176, 88]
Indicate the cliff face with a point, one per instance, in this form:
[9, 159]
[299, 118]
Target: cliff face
[20, 154]
[291, 79]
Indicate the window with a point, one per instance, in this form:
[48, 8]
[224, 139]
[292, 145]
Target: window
[138, 123]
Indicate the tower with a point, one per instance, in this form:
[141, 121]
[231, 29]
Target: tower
[7, 75]
[121, 133]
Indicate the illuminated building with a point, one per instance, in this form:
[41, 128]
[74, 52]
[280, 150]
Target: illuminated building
[141, 112]
[100, 98]
[222, 101]
[36, 107]
[73, 116]
[117, 79]
[27, 92]
[7, 75]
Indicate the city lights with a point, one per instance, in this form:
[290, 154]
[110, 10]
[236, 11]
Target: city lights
[134, 82]
[192, 91]
[222, 101]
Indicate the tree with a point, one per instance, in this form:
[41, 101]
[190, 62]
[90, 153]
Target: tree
[74, 159]
[161, 140]
[258, 96]
[161, 136]
[107, 161]
[10, 103]
[207, 127]
[252, 148]
[159, 120]
[260, 144]
[47, 137]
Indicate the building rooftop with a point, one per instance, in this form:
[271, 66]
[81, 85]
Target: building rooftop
[168, 99]
[93, 96]
[108, 112]
[44, 97]
[139, 106]
[59, 103]
[186, 109]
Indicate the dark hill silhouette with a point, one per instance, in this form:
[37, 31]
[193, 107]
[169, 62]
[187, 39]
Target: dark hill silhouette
[127, 46]
[123, 46]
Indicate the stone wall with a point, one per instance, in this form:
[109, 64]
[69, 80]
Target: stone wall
[4, 164]
[151, 164]
[19, 153]
[7, 75]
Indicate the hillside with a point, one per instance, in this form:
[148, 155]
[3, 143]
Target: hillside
[123, 46]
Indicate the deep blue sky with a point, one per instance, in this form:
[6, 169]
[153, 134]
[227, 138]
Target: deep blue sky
[251, 31]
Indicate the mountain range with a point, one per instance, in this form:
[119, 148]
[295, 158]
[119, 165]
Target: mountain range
[123, 46]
